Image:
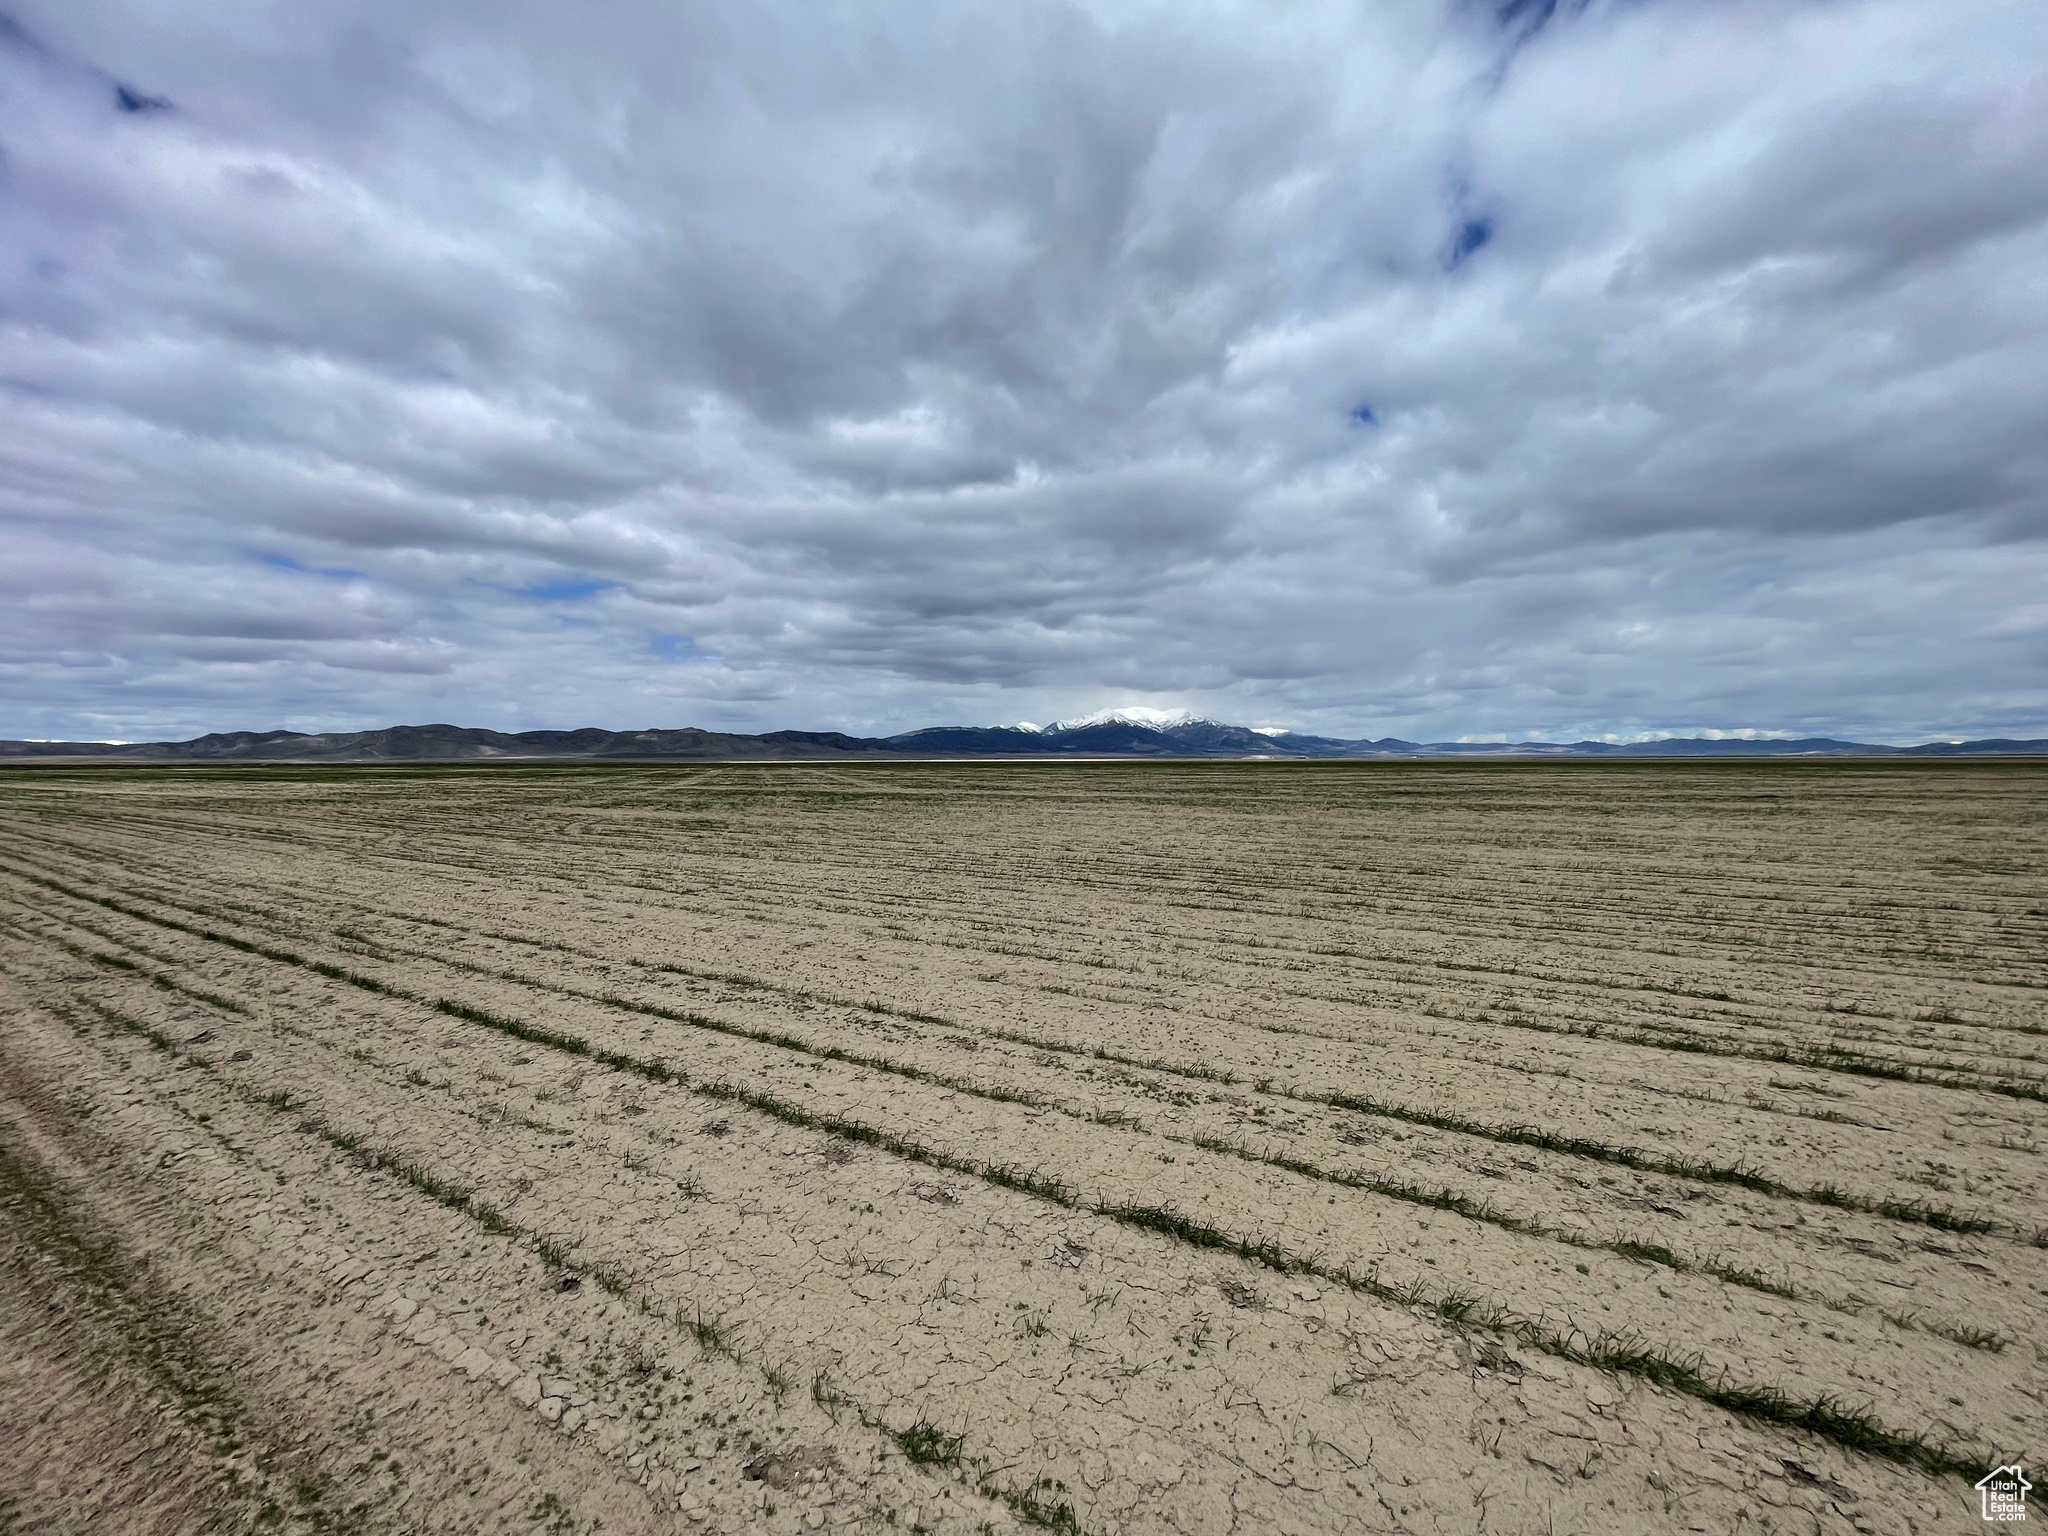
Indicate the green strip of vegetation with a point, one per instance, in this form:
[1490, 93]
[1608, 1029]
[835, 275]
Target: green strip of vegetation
[155, 978]
[1818, 1058]
[1440, 1199]
[1695, 1169]
[669, 968]
[1920, 1212]
[1483, 1211]
[922, 1444]
[86, 1271]
[1945, 1074]
[1676, 1167]
[1445, 1199]
[1822, 1416]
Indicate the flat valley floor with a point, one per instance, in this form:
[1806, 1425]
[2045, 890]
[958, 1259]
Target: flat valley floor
[1088, 1147]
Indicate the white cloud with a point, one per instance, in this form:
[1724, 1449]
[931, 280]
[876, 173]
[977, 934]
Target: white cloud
[1383, 370]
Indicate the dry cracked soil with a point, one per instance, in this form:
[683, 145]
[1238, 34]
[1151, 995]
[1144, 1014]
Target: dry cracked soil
[1087, 1147]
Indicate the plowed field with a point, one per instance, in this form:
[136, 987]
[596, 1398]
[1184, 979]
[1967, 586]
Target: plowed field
[1120, 1148]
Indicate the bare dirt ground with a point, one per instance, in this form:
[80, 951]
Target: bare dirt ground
[1087, 1147]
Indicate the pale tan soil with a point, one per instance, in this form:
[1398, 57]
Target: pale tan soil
[352, 1209]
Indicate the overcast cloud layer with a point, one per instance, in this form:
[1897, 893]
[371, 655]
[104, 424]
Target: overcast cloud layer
[1426, 369]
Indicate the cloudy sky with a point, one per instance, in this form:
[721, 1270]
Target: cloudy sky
[1419, 367]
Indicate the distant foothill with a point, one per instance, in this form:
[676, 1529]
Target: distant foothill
[1135, 733]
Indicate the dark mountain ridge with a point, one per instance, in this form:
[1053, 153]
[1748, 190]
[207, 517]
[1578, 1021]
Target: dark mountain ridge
[457, 743]
[1112, 736]
[1210, 738]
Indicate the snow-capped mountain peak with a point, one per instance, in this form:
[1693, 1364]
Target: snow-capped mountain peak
[1131, 714]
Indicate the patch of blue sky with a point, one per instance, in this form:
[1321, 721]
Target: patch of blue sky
[128, 99]
[1524, 15]
[567, 589]
[1472, 237]
[331, 572]
[674, 647]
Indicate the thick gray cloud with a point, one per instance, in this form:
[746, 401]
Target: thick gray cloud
[1419, 368]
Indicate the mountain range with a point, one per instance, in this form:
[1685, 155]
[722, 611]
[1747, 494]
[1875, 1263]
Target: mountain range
[1111, 733]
